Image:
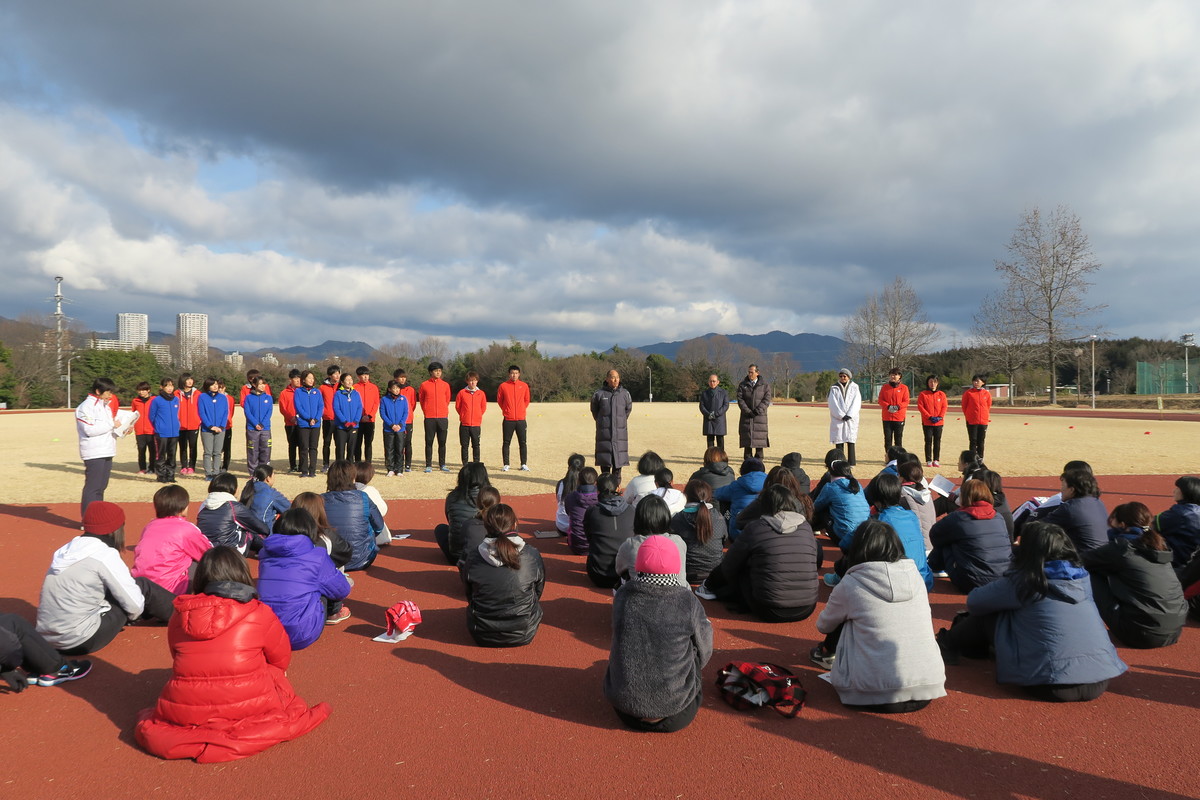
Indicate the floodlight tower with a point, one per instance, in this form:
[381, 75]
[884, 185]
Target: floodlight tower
[1187, 340]
[58, 323]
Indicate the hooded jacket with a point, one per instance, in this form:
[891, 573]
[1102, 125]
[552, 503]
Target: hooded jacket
[1147, 604]
[356, 522]
[887, 652]
[661, 641]
[627, 556]
[779, 557]
[168, 548]
[1180, 526]
[716, 475]
[1056, 639]
[460, 507]
[908, 528]
[268, 503]
[576, 504]
[228, 696]
[82, 574]
[738, 495]
[502, 602]
[847, 509]
[972, 545]
[1084, 519]
[844, 403]
[227, 522]
[917, 498]
[294, 578]
[606, 525]
[610, 409]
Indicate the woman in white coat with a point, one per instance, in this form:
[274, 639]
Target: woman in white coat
[845, 402]
[96, 426]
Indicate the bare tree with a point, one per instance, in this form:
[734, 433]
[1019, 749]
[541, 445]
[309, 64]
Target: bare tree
[1002, 338]
[888, 330]
[783, 369]
[1049, 263]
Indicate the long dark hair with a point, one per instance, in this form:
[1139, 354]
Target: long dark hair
[500, 521]
[700, 493]
[778, 499]
[841, 469]
[472, 475]
[1040, 542]
[570, 481]
[314, 504]
[874, 540]
[261, 473]
[783, 476]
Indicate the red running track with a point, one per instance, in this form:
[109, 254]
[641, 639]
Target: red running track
[435, 716]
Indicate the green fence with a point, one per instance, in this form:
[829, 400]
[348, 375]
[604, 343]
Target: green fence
[1165, 377]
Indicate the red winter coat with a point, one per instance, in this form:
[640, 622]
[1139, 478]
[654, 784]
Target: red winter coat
[189, 411]
[369, 393]
[141, 405]
[513, 399]
[434, 396]
[470, 407]
[894, 396]
[932, 404]
[228, 697]
[287, 405]
[977, 406]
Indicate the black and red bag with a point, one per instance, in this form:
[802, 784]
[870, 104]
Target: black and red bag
[750, 684]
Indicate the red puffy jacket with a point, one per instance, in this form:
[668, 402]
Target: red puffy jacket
[228, 697]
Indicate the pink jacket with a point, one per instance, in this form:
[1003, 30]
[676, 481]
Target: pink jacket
[167, 548]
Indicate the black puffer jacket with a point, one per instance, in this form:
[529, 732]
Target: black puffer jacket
[502, 602]
[716, 475]
[701, 558]
[1139, 595]
[779, 557]
[227, 522]
[460, 507]
[607, 525]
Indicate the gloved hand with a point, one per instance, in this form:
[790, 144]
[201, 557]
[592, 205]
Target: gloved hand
[15, 679]
[893, 409]
[846, 418]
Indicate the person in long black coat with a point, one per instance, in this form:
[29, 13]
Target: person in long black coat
[714, 402]
[753, 399]
[611, 405]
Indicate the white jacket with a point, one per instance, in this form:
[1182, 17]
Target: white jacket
[839, 406]
[83, 575]
[95, 425]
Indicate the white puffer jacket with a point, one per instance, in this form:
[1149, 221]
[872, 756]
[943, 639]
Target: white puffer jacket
[95, 425]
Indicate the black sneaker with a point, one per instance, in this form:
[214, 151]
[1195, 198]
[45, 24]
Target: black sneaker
[822, 657]
[71, 671]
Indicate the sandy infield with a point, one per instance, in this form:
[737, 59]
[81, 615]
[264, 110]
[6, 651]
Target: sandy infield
[39, 455]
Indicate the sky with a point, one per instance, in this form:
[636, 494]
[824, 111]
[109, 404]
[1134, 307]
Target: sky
[585, 173]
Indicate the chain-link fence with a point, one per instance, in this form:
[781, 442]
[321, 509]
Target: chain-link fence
[1165, 377]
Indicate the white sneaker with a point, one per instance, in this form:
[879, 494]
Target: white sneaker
[504, 468]
[390, 474]
[703, 592]
[524, 468]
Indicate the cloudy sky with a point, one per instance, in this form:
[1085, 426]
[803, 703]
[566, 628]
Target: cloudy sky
[583, 172]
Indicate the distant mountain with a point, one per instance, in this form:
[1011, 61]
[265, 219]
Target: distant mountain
[813, 351]
[357, 352]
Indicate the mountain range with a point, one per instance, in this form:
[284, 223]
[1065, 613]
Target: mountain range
[813, 351]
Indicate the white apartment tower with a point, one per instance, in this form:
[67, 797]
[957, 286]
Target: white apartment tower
[133, 328]
[192, 332]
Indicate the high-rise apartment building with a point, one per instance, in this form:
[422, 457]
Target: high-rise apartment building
[192, 332]
[133, 328]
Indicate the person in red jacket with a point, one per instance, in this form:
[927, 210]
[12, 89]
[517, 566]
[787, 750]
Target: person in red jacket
[513, 399]
[143, 429]
[893, 399]
[977, 411]
[471, 403]
[287, 407]
[434, 397]
[364, 442]
[932, 404]
[410, 394]
[189, 423]
[228, 696]
[333, 379]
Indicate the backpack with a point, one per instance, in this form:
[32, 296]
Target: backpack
[749, 684]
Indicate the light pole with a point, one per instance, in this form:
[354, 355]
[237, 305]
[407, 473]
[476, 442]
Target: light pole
[648, 369]
[69, 360]
[1187, 340]
[1093, 338]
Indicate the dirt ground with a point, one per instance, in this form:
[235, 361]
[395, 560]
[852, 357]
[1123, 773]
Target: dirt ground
[39, 455]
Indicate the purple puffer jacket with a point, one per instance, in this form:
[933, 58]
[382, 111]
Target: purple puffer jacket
[294, 577]
[577, 504]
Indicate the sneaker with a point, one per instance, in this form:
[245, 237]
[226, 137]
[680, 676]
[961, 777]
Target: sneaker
[390, 474]
[429, 469]
[942, 574]
[524, 468]
[929, 463]
[822, 657]
[504, 468]
[832, 579]
[445, 468]
[704, 593]
[141, 472]
[70, 671]
[937, 463]
[341, 616]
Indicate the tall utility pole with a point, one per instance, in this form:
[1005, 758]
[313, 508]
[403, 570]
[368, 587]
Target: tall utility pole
[58, 324]
[1093, 338]
[1187, 340]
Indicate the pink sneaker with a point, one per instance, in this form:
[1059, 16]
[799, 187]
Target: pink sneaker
[340, 616]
